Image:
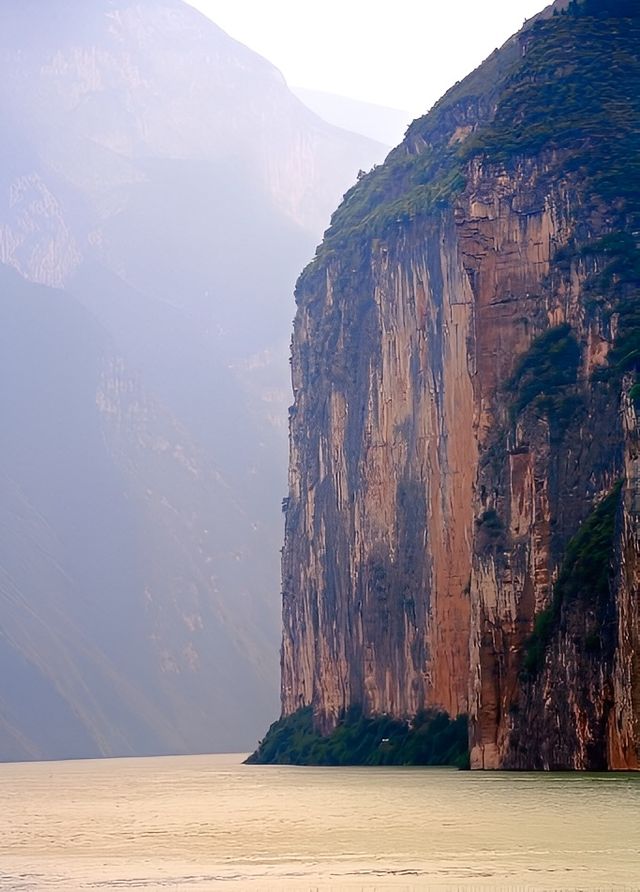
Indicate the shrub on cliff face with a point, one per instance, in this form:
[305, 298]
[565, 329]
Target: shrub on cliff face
[587, 567]
[490, 532]
[536, 645]
[584, 579]
[432, 738]
[546, 377]
[614, 290]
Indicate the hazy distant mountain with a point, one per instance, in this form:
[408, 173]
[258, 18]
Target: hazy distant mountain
[378, 122]
[164, 180]
[124, 603]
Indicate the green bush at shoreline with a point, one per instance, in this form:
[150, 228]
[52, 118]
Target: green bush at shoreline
[431, 738]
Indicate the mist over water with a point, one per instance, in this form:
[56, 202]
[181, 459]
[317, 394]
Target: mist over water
[204, 822]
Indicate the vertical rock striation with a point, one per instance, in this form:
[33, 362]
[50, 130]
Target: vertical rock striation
[462, 521]
[380, 497]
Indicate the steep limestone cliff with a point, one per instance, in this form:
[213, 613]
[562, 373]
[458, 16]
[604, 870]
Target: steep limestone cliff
[379, 494]
[461, 525]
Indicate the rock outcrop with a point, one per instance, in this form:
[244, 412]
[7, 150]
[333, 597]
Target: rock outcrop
[461, 526]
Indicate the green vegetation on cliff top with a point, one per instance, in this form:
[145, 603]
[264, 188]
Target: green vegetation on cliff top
[568, 86]
[577, 91]
[432, 738]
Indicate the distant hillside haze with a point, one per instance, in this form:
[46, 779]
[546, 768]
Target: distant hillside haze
[160, 189]
[378, 122]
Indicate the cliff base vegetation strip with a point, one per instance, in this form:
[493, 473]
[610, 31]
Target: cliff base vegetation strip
[432, 738]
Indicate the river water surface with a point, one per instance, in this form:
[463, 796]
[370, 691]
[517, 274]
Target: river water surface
[208, 822]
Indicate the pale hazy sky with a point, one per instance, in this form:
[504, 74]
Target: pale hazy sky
[400, 53]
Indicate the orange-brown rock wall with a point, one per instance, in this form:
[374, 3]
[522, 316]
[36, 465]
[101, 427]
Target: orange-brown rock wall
[437, 492]
[378, 547]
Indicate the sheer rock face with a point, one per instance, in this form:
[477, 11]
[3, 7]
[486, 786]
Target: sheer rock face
[541, 483]
[380, 498]
[432, 505]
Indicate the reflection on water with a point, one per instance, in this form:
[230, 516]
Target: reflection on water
[207, 822]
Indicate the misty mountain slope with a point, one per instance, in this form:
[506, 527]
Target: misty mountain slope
[109, 83]
[146, 140]
[126, 575]
[379, 122]
[163, 175]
